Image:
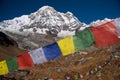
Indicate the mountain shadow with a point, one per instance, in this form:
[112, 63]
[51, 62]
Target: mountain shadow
[8, 47]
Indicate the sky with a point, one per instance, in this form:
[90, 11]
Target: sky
[85, 10]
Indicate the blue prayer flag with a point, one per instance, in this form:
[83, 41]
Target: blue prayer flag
[52, 51]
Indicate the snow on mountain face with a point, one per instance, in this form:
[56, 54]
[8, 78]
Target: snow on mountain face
[46, 21]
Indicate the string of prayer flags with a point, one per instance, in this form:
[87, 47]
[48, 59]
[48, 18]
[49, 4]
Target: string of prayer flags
[117, 24]
[105, 34]
[80, 76]
[38, 56]
[3, 67]
[52, 51]
[12, 64]
[25, 61]
[66, 46]
[83, 40]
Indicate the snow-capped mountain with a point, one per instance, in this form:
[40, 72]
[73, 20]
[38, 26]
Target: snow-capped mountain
[46, 21]
[42, 27]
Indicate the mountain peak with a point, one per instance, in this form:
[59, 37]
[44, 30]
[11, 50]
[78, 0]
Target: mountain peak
[69, 13]
[46, 9]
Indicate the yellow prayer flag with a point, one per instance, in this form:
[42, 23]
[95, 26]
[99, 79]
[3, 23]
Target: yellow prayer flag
[66, 46]
[3, 67]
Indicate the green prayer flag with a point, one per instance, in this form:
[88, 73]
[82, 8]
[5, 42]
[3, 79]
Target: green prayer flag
[12, 64]
[83, 40]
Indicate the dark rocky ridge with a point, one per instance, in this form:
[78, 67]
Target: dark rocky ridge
[6, 40]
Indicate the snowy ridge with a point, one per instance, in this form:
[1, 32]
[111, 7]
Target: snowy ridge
[99, 22]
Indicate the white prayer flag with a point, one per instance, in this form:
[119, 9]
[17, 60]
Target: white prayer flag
[38, 56]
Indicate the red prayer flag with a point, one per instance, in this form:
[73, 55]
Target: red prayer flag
[105, 34]
[25, 61]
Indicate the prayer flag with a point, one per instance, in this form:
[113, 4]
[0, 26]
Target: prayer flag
[83, 39]
[38, 56]
[12, 64]
[25, 61]
[66, 46]
[3, 67]
[105, 34]
[52, 51]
